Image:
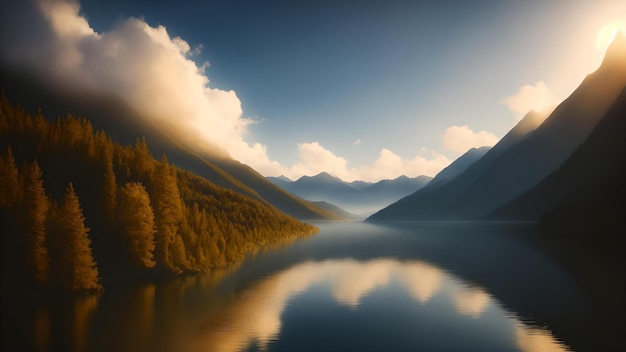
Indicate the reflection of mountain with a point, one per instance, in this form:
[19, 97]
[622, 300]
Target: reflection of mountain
[356, 197]
[255, 317]
[515, 165]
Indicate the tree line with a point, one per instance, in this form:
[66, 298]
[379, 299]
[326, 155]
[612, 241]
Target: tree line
[78, 209]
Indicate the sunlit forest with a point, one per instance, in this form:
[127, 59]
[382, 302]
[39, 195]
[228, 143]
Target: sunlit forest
[78, 210]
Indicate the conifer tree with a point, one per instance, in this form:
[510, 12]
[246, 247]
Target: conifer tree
[74, 266]
[136, 219]
[169, 213]
[34, 209]
[110, 186]
[10, 187]
[142, 161]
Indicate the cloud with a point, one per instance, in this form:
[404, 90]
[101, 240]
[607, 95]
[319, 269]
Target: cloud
[155, 75]
[143, 66]
[536, 97]
[460, 139]
[314, 158]
[357, 141]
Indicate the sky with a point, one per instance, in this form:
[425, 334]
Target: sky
[364, 90]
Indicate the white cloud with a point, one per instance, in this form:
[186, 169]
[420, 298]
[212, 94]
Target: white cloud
[314, 158]
[536, 97]
[357, 141]
[460, 139]
[148, 70]
[156, 76]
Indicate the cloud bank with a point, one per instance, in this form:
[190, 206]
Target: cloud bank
[156, 75]
[536, 97]
[460, 139]
[314, 158]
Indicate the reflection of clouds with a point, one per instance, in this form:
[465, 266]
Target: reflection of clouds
[352, 280]
[422, 280]
[470, 301]
[255, 315]
[536, 340]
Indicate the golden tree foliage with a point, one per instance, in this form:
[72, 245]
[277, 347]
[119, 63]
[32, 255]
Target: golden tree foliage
[167, 220]
[34, 210]
[136, 222]
[74, 265]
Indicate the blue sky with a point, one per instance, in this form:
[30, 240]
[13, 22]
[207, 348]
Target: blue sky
[361, 89]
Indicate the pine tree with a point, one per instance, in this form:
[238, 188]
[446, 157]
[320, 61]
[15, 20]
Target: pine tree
[169, 213]
[73, 263]
[35, 211]
[142, 162]
[10, 187]
[110, 186]
[136, 219]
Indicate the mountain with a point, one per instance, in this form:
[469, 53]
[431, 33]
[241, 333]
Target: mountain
[389, 191]
[360, 184]
[356, 197]
[590, 167]
[513, 167]
[336, 210]
[457, 167]
[124, 125]
[80, 207]
[427, 202]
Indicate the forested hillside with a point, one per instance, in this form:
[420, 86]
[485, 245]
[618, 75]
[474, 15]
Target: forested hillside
[78, 210]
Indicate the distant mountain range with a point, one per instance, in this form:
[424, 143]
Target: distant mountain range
[528, 154]
[361, 198]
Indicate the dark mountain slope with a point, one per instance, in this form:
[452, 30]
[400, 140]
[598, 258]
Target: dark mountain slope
[527, 163]
[426, 203]
[602, 155]
[457, 167]
[510, 168]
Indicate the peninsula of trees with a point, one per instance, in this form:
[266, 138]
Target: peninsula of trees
[77, 209]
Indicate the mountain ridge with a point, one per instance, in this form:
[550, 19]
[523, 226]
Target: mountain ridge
[517, 166]
[356, 197]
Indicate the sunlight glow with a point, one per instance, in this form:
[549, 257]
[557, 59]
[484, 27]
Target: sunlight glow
[608, 32]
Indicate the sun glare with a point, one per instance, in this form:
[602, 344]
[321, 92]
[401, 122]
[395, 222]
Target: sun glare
[608, 32]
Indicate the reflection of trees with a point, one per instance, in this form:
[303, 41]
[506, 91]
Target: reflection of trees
[42, 329]
[83, 309]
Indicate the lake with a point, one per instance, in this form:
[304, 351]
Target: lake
[352, 287]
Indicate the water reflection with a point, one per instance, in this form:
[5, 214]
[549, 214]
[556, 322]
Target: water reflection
[469, 300]
[83, 309]
[42, 328]
[254, 317]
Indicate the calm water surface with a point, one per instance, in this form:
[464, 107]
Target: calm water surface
[352, 287]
